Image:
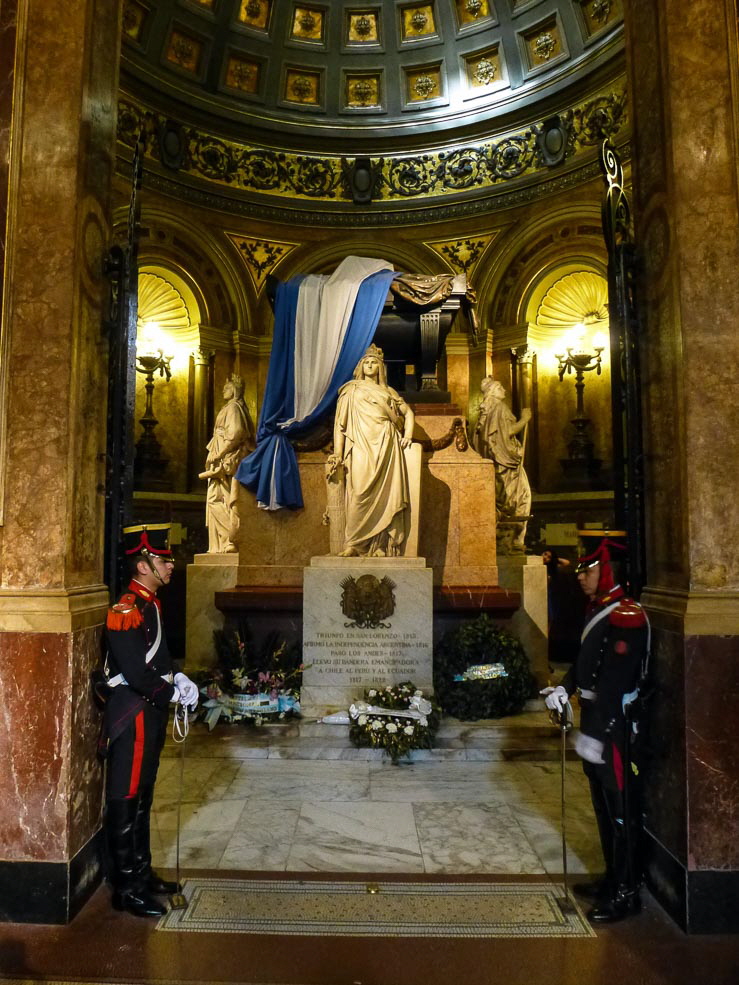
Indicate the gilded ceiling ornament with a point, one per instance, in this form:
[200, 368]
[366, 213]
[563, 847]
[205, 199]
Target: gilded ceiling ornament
[363, 26]
[253, 8]
[183, 50]
[130, 19]
[544, 46]
[473, 7]
[485, 72]
[242, 74]
[301, 87]
[419, 20]
[601, 9]
[307, 21]
[362, 91]
[424, 86]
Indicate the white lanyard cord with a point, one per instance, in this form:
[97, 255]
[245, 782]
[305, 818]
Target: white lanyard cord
[180, 723]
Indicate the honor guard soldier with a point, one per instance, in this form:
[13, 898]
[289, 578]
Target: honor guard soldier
[607, 674]
[141, 686]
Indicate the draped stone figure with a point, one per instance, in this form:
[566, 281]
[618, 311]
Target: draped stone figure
[373, 425]
[232, 438]
[496, 437]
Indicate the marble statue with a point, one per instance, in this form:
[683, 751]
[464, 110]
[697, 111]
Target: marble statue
[373, 427]
[496, 437]
[232, 438]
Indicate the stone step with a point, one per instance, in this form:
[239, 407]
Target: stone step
[528, 736]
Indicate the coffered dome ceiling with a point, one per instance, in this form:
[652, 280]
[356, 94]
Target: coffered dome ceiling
[377, 103]
[364, 71]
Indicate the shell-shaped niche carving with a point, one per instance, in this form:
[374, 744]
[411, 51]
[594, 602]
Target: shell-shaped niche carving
[162, 303]
[580, 297]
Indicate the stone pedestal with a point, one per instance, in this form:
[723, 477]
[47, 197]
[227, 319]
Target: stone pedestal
[528, 577]
[208, 574]
[347, 652]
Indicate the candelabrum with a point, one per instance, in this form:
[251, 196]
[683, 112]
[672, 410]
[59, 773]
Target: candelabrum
[581, 468]
[150, 467]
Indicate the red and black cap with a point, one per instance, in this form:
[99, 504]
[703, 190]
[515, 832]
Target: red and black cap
[599, 547]
[596, 546]
[147, 538]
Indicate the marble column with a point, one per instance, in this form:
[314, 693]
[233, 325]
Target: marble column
[201, 413]
[682, 61]
[63, 77]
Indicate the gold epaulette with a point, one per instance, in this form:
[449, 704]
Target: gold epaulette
[628, 615]
[125, 614]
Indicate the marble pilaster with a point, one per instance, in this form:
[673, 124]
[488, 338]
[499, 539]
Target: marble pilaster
[685, 194]
[52, 604]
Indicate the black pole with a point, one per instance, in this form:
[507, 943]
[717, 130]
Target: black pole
[628, 455]
[121, 265]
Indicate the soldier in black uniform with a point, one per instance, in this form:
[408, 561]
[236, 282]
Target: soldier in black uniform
[606, 675]
[142, 684]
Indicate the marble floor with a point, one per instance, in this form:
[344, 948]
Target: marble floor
[299, 798]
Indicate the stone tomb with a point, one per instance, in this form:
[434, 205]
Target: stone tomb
[358, 635]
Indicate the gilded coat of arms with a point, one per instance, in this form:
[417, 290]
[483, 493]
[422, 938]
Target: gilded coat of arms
[367, 601]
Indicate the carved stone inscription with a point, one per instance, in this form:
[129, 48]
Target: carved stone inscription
[343, 658]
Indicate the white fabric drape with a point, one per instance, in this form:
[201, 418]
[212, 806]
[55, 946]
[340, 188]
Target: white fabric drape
[325, 305]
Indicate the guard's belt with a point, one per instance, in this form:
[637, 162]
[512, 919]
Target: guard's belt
[585, 695]
[120, 679]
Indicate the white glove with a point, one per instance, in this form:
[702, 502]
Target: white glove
[188, 691]
[589, 749]
[555, 698]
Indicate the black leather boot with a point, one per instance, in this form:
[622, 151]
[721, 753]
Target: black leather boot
[128, 892]
[596, 889]
[145, 875]
[624, 903]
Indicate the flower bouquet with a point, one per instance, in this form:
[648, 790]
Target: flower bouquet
[252, 683]
[395, 718]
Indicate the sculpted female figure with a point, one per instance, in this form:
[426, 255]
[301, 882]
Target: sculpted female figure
[373, 426]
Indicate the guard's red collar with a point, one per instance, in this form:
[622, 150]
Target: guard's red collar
[144, 593]
[606, 598]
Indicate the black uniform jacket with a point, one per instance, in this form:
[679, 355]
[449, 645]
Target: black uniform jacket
[609, 664]
[133, 631]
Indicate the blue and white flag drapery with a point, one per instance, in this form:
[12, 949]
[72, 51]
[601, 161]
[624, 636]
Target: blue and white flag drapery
[323, 326]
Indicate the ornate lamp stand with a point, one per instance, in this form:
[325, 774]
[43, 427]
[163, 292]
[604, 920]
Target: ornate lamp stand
[581, 468]
[150, 468]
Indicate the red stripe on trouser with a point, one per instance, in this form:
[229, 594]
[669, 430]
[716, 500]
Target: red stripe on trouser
[138, 755]
[618, 767]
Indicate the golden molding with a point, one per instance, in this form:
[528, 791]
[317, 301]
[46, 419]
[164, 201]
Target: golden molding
[430, 174]
[260, 256]
[463, 255]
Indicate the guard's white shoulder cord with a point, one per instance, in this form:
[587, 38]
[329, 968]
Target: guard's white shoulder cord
[180, 723]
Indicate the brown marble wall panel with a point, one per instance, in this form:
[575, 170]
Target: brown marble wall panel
[51, 796]
[86, 770]
[712, 711]
[665, 776]
[35, 745]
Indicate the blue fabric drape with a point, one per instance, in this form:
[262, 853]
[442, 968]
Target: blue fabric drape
[271, 470]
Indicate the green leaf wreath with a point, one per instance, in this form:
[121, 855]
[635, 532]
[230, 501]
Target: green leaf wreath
[396, 734]
[474, 643]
